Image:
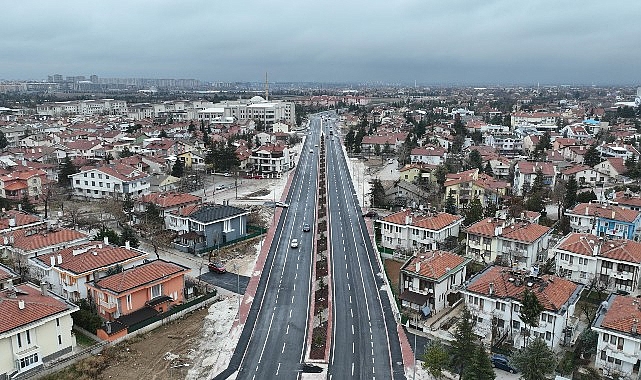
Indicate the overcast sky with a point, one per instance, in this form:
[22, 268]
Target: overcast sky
[432, 42]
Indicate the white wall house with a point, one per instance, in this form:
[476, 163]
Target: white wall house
[430, 282]
[494, 296]
[272, 160]
[615, 264]
[619, 342]
[36, 328]
[415, 231]
[517, 243]
[114, 181]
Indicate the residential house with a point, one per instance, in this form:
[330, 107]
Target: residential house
[466, 186]
[167, 202]
[605, 220]
[207, 226]
[495, 297]
[406, 194]
[138, 293]
[619, 342]
[428, 155]
[585, 176]
[540, 120]
[430, 281]
[576, 131]
[614, 264]
[612, 166]
[7, 277]
[28, 242]
[68, 270]
[22, 183]
[36, 329]
[110, 181]
[409, 231]
[525, 173]
[515, 243]
[627, 199]
[624, 151]
[272, 160]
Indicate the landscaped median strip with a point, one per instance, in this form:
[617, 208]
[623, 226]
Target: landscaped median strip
[319, 338]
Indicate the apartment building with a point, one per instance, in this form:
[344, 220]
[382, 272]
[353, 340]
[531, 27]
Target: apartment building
[495, 297]
[410, 231]
[605, 220]
[112, 181]
[525, 173]
[272, 160]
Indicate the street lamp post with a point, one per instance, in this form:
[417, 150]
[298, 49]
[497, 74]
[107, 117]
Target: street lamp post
[237, 287]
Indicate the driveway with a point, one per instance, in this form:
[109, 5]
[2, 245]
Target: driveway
[228, 281]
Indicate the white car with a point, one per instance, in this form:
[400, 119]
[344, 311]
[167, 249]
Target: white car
[220, 187]
[294, 243]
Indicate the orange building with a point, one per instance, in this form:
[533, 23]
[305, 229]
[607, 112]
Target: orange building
[150, 288]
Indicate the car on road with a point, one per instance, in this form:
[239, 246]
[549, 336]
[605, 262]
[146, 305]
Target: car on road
[294, 243]
[227, 175]
[220, 187]
[311, 151]
[306, 227]
[502, 362]
[281, 204]
[216, 267]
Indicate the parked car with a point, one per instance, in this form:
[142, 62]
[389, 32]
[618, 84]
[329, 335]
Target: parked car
[502, 362]
[282, 204]
[217, 267]
[370, 214]
[220, 187]
[294, 243]
[306, 227]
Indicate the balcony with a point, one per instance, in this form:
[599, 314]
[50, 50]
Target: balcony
[622, 275]
[107, 306]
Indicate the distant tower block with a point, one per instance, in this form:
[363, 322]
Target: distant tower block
[637, 100]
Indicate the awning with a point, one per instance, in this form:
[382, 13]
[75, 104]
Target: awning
[419, 299]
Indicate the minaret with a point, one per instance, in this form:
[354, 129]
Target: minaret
[266, 87]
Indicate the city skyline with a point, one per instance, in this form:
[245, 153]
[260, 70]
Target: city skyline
[453, 43]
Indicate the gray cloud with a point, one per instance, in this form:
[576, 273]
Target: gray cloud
[459, 41]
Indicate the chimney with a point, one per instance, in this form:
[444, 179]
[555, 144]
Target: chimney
[19, 206]
[613, 214]
[408, 219]
[418, 266]
[106, 240]
[127, 245]
[491, 288]
[53, 261]
[21, 304]
[12, 222]
[108, 327]
[586, 210]
[59, 259]
[43, 288]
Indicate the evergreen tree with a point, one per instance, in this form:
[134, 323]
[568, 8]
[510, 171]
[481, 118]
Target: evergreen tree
[474, 212]
[435, 359]
[465, 342]
[592, 156]
[162, 134]
[3, 140]
[586, 196]
[490, 210]
[191, 127]
[475, 161]
[531, 310]
[450, 204]
[537, 185]
[129, 235]
[26, 205]
[488, 169]
[570, 193]
[109, 233]
[536, 361]
[481, 366]
[66, 169]
[125, 152]
[178, 169]
[377, 194]
[544, 144]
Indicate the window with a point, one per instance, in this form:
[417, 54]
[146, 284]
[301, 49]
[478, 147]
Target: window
[28, 360]
[516, 324]
[129, 304]
[19, 340]
[548, 335]
[517, 308]
[59, 339]
[57, 321]
[606, 337]
[29, 337]
[156, 291]
[77, 182]
[607, 264]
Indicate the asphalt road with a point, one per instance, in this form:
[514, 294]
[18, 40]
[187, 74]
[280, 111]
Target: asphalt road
[365, 342]
[229, 281]
[272, 344]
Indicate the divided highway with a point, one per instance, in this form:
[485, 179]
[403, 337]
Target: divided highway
[273, 341]
[365, 339]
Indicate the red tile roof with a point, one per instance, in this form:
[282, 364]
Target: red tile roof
[430, 222]
[144, 274]
[91, 256]
[623, 312]
[551, 291]
[36, 307]
[168, 200]
[29, 239]
[606, 211]
[582, 244]
[20, 218]
[435, 264]
[627, 200]
[519, 231]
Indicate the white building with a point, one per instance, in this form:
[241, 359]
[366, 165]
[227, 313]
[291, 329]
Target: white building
[494, 296]
[110, 181]
[68, 270]
[615, 264]
[256, 108]
[525, 173]
[605, 220]
[36, 328]
[430, 282]
[412, 231]
[619, 342]
[272, 160]
[428, 155]
[516, 243]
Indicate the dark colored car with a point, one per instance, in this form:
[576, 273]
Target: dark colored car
[370, 214]
[502, 362]
[217, 267]
[306, 227]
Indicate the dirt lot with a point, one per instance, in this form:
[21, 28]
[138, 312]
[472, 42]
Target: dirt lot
[150, 356]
